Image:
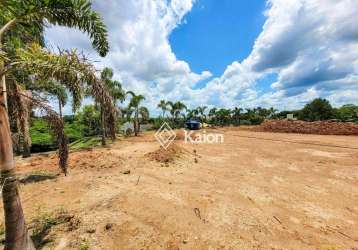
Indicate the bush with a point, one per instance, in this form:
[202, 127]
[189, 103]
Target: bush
[348, 112]
[317, 110]
[74, 131]
[245, 122]
[157, 122]
[41, 136]
[90, 120]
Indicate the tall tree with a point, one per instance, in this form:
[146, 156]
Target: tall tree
[144, 116]
[134, 106]
[114, 87]
[317, 110]
[176, 108]
[212, 115]
[71, 13]
[75, 74]
[51, 89]
[201, 112]
[236, 115]
[163, 105]
[116, 92]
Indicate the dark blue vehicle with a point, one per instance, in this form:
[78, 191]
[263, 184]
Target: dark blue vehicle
[192, 125]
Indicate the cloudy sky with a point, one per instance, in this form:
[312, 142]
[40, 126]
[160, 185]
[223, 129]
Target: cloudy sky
[280, 53]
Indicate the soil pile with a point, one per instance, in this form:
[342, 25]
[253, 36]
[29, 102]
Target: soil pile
[98, 159]
[303, 127]
[165, 155]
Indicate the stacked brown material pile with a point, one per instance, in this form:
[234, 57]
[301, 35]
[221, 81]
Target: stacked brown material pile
[302, 127]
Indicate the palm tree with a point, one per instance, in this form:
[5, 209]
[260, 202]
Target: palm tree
[76, 73]
[223, 116]
[71, 13]
[114, 87]
[116, 92]
[144, 115]
[164, 106]
[20, 111]
[201, 112]
[212, 116]
[271, 112]
[133, 107]
[176, 108]
[60, 93]
[191, 113]
[236, 115]
[54, 89]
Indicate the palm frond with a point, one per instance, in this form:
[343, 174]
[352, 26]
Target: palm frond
[70, 13]
[56, 123]
[73, 71]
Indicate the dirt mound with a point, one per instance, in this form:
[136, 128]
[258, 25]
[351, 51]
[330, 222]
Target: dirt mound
[98, 159]
[165, 155]
[86, 159]
[180, 135]
[302, 127]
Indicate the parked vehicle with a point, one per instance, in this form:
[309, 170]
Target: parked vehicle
[192, 125]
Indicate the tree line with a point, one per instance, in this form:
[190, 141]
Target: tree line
[319, 109]
[87, 122]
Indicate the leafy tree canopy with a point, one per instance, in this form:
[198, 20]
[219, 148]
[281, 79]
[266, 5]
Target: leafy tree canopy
[317, 110]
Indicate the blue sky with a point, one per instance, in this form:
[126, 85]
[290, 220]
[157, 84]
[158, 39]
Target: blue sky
[228, 53]
[216, 33]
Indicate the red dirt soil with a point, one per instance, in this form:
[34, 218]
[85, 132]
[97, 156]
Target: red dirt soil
[166, 155]
[254, 191]
[302, 127]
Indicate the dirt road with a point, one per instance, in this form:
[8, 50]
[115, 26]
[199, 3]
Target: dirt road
[254, 191]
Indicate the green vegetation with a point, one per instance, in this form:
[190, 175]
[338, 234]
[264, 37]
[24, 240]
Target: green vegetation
[84, 128]
[46, 221]
[84, 245]
[40, 133]
[26, 66]
[87, 142]
[318, 109]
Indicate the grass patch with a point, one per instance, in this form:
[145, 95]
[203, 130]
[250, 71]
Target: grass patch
[84, 245]
[87, 142]
[36, 176]
[84, 143]
[41, 228]
[42, 225]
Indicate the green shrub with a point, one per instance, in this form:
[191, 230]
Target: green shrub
[74, 131]
[41, 137]
[317, 110]
[245, 122]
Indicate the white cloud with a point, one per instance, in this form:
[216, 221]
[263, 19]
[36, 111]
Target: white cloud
[312, 46]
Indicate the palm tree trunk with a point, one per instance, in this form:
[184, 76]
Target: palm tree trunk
[103, 131]
[27, 139]
[16, 235]
[3, 92]
[25, 126]
[60, 108]
[135, 127]
[136, 123]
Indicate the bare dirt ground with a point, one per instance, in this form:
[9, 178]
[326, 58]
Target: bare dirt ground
[283, 191]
